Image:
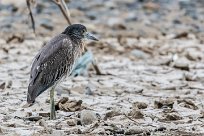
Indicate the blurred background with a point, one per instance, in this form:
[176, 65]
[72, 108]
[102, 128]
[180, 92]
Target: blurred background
[131, 18]
[150, 53]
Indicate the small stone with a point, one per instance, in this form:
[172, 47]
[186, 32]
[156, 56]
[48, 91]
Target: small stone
[2, 85]
[69, 105]
[181, 64]
[172, 117]
[191, 77]
[164, 104]
[88, 117]
[88, 91]
[134, 130]
[72, 122]
[140, 105]
[112, 113]
[136, 113]
[202, 113]
[194, 55]
[42, 123]
[140, 54]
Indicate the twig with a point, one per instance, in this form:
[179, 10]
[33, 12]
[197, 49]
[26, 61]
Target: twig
[66, 9]
[60, 4]
[98, 71]
[31, 15]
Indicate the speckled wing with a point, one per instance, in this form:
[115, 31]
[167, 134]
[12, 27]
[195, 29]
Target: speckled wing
[52, 62]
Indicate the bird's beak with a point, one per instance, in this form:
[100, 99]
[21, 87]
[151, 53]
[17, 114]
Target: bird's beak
[90, 36]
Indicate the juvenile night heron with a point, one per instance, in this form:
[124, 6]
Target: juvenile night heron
[55, 61]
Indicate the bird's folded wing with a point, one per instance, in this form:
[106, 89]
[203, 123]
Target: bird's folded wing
[48, 58]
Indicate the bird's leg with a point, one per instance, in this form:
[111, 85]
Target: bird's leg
[52, 102]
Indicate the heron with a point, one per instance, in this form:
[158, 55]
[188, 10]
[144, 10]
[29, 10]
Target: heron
[55, 62]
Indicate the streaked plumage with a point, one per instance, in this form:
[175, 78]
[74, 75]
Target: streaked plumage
[56, 59]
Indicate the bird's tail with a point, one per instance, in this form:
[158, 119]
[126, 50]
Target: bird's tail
[34, 91]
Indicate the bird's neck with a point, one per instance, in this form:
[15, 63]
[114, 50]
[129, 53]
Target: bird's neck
[79, 45]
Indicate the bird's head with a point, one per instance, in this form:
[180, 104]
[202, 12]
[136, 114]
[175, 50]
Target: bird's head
[78, 32]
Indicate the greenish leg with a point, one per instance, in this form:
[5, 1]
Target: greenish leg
[52, 102]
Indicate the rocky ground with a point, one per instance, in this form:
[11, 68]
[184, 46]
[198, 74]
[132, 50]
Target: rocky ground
[152, 54]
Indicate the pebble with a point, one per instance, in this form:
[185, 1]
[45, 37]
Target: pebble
[133, 130]
[88, 117]
[72, 122]
[140, 54]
